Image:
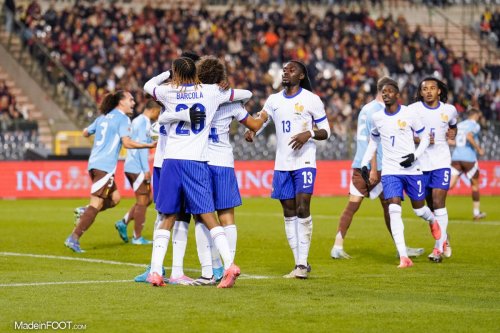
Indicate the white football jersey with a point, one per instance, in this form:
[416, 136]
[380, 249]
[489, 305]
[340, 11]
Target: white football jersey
[220, 151]
[160, 145]
[436, 121]
[293, 115]
[188, 141]
[395, 132]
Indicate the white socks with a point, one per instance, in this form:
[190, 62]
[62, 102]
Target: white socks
[204, 247]
[339, 241]
[304, 228]
[179, 242]
[232, 237]
[220, 241]
[291, 230]
[442, 218]
[160, 244]
[425, 213]
[398, 228]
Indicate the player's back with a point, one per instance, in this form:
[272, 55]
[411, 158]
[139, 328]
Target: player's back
[437, 121]
[220, 150]
[109, 129]
[396, 136]
[463, 150]
[187, 141]
[365, 123]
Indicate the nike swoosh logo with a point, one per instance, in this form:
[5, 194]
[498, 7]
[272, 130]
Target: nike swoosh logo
[307, 186]
[420, 194]
[444, 184]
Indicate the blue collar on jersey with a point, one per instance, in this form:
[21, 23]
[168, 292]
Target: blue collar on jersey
[292, 96]
[428, 107]
[187, 85]
[392, 114]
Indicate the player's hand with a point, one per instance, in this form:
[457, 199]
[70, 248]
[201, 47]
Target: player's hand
[409, 159]
[195, 115]
[480, 151]
[373, 176]
[147, 176]
[152, 144]
[365, 174]
[299, 140]
[223, 85]
[249, 135]
[263, 115]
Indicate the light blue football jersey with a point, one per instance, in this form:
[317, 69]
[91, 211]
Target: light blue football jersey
[464, 150]
[365, 125]
[137, 159]
[108, 130]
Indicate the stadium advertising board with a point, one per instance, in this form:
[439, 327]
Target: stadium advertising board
[69, 179]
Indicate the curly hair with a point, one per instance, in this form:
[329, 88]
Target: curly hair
[211, 70]
[184, 72]
[305, 82]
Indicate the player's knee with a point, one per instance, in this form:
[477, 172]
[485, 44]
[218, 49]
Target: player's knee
[420, 211]
[303, 211]
[394, 209]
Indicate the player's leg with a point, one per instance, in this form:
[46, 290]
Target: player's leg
[473, 175]
[143, 200]
[393, 193]
[415, 188]
[204, 246]
[284, 191]
[456, 171]
[358, 189]
[226, 219]
[179, 243]
[103, 187]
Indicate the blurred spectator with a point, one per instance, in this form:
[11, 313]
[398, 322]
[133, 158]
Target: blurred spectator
[106, 47]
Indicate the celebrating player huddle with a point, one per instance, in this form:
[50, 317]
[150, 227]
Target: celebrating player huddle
[194, 166]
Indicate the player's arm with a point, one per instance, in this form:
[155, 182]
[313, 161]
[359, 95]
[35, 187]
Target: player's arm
[255, 124]
[131, 144]
[143, 153]
[474, 144]
[373, 170]
[91, 129]
[320, 120]
[370, 149]
[152, 85]
[452, 124]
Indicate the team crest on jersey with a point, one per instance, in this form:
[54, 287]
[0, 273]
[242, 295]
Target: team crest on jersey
[299, 108]
[401, 124]
[444, 118]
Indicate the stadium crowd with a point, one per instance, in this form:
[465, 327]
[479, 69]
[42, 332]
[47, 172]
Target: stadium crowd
[107, 46]
[489, 25]
[10, 111]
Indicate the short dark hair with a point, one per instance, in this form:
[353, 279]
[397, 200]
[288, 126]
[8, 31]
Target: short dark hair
[391, 82]
[191, 55]
[152, 104]
[382, 82]
[473, 111]
[443, 96]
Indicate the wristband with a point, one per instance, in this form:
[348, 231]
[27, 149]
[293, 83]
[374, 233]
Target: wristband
[312, 134]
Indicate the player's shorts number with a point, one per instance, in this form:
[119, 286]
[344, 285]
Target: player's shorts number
[308, 177]
[183, 128]
[446, 176]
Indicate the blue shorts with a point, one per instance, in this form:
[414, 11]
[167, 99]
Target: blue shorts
[156, 182]
[185, 180]
[439, 178]
[287, 184]
[225, 187]
[413, 185]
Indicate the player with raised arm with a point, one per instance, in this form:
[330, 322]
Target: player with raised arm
[400, 169]
[221, 165]
[360, 187]
[112, 130]
[296, 111]
[185, 173]
[137, 172]
[464, 157]
[440, 119]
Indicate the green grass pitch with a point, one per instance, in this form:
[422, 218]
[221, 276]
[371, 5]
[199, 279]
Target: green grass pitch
[365, 294]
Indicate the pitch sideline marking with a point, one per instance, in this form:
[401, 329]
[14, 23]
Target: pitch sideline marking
[98, 261]
[59, 283]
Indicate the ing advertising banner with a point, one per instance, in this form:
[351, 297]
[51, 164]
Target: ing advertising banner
[69, 179]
